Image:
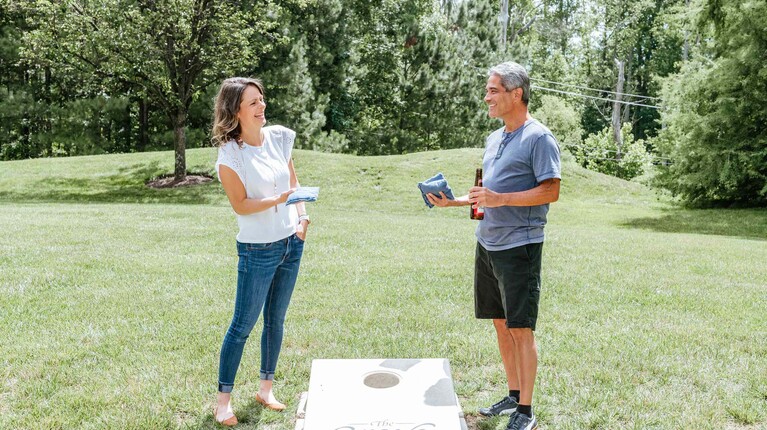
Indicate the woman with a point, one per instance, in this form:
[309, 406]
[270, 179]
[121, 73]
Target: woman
[256, 170]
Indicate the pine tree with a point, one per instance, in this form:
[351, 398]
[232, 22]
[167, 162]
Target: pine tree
[715, 115]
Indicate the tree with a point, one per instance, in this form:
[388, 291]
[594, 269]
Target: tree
[21, 116]
[383, 78]
[168, 50]
[298, 101]
[605, 36]
[715, 116]
[515, 23]
[420, 79]
[562, 119]
[306, 76]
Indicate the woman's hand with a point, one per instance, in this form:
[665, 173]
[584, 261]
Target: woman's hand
[303, 225]
[242, 205]
[283, 197]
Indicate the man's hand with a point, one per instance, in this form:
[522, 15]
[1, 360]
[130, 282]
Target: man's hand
[441, 202]
[485, 197]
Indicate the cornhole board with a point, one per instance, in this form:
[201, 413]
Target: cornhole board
[380, 394]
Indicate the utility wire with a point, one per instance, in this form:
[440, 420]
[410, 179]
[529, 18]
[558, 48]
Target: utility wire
[593, 157]
[651, 159]
[569, 145]
[593, 150]
[592, 97]
[615, 159]
[594, 89]
[588, 96]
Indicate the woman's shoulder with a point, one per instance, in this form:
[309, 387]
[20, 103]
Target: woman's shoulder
[278, 130]
[229, 148]
[282, 135]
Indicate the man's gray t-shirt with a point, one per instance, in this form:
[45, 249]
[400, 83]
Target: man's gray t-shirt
[517, 161]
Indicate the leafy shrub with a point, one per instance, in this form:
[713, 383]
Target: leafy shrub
[599, 153]
[562, 119]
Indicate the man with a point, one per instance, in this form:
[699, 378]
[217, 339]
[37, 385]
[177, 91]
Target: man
[521, 169]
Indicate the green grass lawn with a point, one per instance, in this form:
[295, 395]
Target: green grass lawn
[114, 298]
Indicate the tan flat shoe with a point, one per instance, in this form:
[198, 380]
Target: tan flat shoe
[275, 406]
[229, 422]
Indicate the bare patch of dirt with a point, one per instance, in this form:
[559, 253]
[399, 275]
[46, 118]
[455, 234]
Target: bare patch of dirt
[170, 182]
[471, 421]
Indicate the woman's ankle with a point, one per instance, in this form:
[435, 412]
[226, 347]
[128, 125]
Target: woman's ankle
[265, 388]
[223, 399]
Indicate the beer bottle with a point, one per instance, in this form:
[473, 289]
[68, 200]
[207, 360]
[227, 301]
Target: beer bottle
[477, 212]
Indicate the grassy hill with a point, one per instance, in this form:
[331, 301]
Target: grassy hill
[115, 297]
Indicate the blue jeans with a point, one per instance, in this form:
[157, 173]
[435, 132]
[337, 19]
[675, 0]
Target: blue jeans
[266, 275]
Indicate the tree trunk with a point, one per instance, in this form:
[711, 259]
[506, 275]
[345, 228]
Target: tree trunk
[626, 108]
[686, 46]
[128, 127]
[143, 125]
[179, 137]
[47, 97]
[25, 131]
[616, 118]
[446, 6]
[564, 15]
[504, 23]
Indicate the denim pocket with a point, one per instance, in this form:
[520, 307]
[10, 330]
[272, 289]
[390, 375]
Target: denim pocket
[242, 262]
[259, 246]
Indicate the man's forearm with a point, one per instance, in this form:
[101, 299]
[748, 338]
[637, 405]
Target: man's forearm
[461, 201]
[546, 192]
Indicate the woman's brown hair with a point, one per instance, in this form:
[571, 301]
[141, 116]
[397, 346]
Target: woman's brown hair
[226, 127]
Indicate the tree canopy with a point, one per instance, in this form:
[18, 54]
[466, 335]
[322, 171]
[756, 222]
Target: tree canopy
[169, 51]
[716, 115]
[676, 83]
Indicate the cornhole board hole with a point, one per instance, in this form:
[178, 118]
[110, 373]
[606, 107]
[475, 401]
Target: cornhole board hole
[380, 394]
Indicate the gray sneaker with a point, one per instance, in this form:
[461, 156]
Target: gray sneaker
[521, 421]
[504, 407]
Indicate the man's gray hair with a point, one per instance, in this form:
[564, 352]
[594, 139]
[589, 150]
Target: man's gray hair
[513, 76]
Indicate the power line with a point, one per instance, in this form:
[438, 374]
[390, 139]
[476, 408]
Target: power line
[594, 89]
[570, 145]
[590, 89]
[593, 150]
[654, 162]
[650, 158]
[592, 97]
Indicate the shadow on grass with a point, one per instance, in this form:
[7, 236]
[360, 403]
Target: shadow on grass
[127, 185]
[746, 223]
